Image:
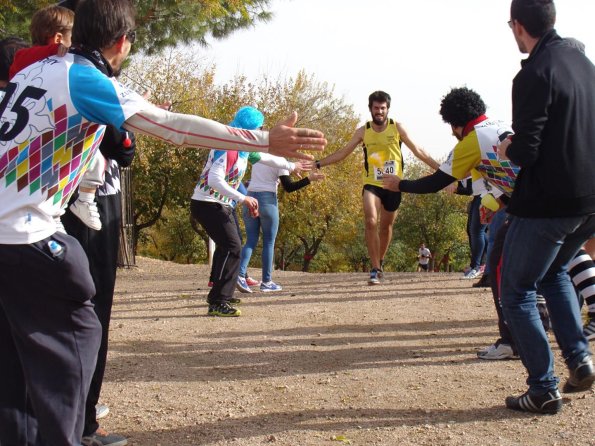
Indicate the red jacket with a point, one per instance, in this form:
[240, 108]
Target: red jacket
[26, 56]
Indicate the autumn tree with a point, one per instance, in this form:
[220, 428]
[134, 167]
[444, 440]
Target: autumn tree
[438, 220]
[308, 217]
[164, 175]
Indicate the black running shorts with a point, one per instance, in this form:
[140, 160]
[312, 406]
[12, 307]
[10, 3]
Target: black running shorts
[390, 200]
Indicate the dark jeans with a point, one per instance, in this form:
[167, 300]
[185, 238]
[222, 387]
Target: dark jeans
[478, 238]
[101, 248]
[55, 334]
[537, 252]
[218, 222]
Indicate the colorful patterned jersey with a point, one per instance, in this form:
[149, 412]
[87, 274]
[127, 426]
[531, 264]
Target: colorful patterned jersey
[382, 153]
[477, 150]
[234, 164]
[52, 120]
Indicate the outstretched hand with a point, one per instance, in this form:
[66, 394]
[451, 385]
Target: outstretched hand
[391, 182]
[302, 166]
[285, 140]
[316, 176]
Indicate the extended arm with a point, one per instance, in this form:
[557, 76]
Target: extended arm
[426, 185]
[419, 152]
[346, 150]
[292, 186]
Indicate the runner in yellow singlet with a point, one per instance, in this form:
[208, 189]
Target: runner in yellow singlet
[381, 139]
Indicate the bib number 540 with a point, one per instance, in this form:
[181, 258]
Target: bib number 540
[22, 113]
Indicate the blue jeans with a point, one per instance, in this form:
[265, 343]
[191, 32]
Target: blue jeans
[268, 221]
[536, 253]
[493, 228]
[478, 239]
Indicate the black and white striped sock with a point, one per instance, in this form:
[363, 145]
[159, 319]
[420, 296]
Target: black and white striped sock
[582, 273]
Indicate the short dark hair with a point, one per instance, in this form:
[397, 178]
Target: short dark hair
[379, 96]
[8, 48]
[48, 21]
[99, 23]
[537, 16]
[460, 106]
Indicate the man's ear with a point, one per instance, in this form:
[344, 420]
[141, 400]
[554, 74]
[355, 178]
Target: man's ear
[120, 43]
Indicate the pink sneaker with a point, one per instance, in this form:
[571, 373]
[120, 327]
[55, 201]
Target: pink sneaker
[251, 282]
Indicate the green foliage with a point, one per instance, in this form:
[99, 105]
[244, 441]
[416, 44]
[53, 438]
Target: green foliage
[160, 23]
[15, 16]
[173, 239]
[438, 220]
[164, 176]
[166, 23]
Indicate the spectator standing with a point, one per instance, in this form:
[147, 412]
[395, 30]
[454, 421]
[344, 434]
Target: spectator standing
[553, 203]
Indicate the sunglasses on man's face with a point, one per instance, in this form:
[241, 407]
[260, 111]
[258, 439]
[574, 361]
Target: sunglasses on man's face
[131, 36]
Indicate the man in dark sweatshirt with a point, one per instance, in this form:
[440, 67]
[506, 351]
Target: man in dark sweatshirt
[553, 202]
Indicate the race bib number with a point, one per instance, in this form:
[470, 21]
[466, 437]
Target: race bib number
[389, 168]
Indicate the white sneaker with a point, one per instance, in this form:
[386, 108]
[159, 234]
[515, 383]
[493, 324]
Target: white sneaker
[87, 213]
[497, 351]
[242, 286]
[101, 411]
[472, 274]
[270, 286]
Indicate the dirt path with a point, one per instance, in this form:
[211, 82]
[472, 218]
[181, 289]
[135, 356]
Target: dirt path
[328, 361]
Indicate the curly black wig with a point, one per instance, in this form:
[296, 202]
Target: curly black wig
[460, 106]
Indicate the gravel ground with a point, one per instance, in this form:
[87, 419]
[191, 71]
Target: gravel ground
[327, 361]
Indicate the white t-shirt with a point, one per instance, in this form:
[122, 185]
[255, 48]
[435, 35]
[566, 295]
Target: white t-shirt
[424, 256]
[266, 178]
[55, 113]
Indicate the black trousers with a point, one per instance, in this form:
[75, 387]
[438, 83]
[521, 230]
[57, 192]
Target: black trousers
[49, 337]
[219, 223]
[495, 262]
[101, 248]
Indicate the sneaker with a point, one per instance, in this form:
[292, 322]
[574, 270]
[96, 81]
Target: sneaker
[549, 403]
[374, 279]
[210, 284]
[242, 286]
[484, 282]
[269, 286]
[472, 274]
[497, 351]
[581, 378]
[101, 437]
[101, 411]
[234, 301]
[381, 270]
[223, 310]
[589, 329]
[87, 213]
[251, 282]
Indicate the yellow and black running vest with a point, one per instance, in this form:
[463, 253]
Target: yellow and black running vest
[382, 153]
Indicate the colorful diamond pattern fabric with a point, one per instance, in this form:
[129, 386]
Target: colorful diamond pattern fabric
[54, 160]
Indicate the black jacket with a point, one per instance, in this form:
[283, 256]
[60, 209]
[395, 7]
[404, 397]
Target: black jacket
[553, 116]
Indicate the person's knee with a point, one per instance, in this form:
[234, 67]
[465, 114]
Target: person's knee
[371, 222]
